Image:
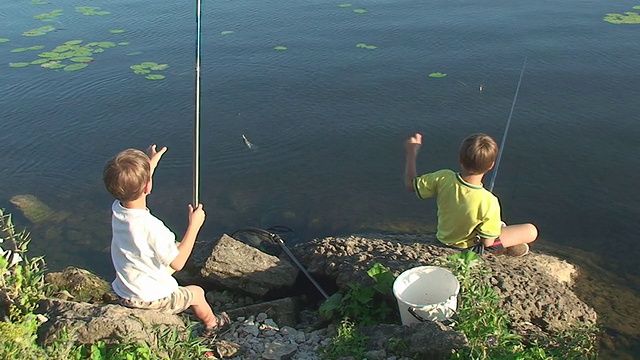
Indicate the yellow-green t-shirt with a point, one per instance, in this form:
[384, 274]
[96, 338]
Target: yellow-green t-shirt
[464, 210]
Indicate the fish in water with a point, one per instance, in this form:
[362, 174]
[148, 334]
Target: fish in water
[246, 142]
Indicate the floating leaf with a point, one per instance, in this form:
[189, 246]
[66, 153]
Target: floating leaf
[106, 44]
[637, 7]
[53, 65]
[19, 64]
[81, 59]
[91, 10]
[117, 31]
[73, 42]
[155, 76]
[39, 31]
[365, 46]
[97, 51]
[359, 11]
[39, 61]
[50, 16]
[159, 67]
[226, 32]
[141, 71]
[3, 40]
[148, 64]
[344, 5]
[40, 2]
[437, 75]
[628, 17]
[280, 48]
[134, 53]
[23, 49]
[124, 43]
[75, 67]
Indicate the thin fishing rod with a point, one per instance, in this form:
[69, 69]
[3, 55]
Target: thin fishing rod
[196, 123]
[494, 174]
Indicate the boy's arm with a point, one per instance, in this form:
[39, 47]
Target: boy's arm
[155, 156]
[412, 146]
[196, 219]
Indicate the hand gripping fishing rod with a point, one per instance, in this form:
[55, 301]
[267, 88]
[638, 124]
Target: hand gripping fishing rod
[196, 124]
[506, 130]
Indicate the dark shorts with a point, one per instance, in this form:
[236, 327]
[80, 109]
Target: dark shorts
[481, 249]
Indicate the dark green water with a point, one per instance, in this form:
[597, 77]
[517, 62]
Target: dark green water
[328, 118]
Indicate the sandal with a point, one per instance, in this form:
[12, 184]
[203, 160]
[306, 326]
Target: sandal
[222, 321]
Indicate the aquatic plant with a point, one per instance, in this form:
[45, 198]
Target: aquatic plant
[345, 5]
[365, 46]
[628, 17]
[134, 53]
[226, 32]
[117, 31]
[146, 67]
[437, 75]
[359, 11]
[30, 48]
[4, 40]
[76, 54]
[50, 16]
[39, 31]
[280, 48]
[91, 10]
[40, 2]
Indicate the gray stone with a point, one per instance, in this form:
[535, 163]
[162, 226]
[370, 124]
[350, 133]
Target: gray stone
[279, 351]
[282, 311]
[91, 323]
[234, 265]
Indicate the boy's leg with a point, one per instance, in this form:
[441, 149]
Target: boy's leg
[518, 234]
[201, 308]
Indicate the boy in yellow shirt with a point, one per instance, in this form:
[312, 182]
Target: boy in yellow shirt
[468, 214]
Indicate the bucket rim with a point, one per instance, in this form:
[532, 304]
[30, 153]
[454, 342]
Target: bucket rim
[418, 268]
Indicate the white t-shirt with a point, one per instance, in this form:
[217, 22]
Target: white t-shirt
[142, 247]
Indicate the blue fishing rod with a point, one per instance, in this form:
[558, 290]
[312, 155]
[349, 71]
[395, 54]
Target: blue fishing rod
[494, 173]
[196, 123]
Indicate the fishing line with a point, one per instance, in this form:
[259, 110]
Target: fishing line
[506, 130]
[196, 123]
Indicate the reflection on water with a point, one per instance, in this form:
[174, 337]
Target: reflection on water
[328, 119]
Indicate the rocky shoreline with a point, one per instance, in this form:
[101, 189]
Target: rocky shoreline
[535, 291]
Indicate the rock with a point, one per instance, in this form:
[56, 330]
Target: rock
[282, 311]
[81, 285]
[109, 323]
[35, 210]
[535, 289]
[279, 351]
[231, 264]
[227, 349]
[427, 340]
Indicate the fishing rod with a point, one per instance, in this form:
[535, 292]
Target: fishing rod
[494, 174]
[196, 123]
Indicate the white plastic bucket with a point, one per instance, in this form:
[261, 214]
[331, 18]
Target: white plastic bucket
[426, 293]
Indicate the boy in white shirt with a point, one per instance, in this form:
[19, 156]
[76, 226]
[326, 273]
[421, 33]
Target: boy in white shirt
[144, 251]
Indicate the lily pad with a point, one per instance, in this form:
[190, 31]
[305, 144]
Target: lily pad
[39, 31]
[124, 43]
[50, 16]
[39, 61]
[134, 53]
[53, 65]
[159, 67]
[117, 31]
[81, 59]
[280, 48]
[359, 11]
[226, 32]
[106, 44]
[637, 7]
[73, 42]
[19, 64]
[155, 76]
[345, 5]
[3, 40]
[437, 75]
[23, 49]
[75, 67]
[91, 10]
[365, 46]
[628, 17]
[40, 2]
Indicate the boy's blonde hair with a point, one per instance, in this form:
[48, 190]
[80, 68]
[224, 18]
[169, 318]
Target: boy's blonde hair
[126, 174]
[478, 153]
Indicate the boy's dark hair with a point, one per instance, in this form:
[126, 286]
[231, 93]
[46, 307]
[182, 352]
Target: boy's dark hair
[478, 153]
[126, 174]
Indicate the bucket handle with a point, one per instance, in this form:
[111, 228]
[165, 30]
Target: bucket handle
[413, 312]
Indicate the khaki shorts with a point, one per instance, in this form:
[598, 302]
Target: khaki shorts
[177, 302]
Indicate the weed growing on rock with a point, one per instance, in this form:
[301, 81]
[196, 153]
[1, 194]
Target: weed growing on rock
[348, 342]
